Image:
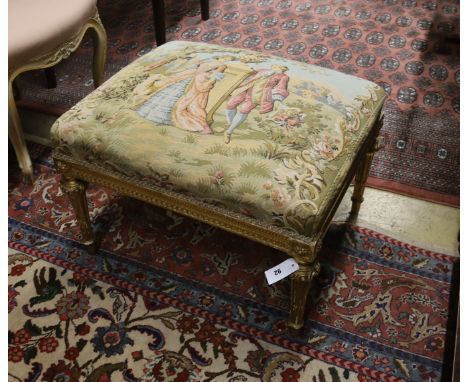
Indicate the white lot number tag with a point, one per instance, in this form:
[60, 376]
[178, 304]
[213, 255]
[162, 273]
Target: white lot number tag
[281, 271]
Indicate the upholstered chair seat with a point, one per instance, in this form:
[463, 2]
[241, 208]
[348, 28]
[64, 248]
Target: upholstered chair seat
[38, 27]
[40, 34]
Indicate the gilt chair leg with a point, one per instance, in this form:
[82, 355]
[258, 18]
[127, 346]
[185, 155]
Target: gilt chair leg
[76, 191]
[301, 282]
[15, 133]
[100, 51]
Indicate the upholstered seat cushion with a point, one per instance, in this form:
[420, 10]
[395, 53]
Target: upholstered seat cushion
[259, 135]
[36, 27]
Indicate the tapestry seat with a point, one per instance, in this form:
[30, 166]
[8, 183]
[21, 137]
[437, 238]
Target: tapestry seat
[259, 145]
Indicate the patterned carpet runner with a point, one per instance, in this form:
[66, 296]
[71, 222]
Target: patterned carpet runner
[410, 47]
[170, 299]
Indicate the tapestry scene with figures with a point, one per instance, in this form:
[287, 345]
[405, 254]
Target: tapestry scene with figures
[241, 130]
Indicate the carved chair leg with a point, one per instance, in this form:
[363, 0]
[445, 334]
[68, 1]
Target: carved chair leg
[100, 51]
[76, 191]
[15, 133]
[301, 282]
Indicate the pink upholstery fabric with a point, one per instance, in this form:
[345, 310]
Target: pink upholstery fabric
[36, 27]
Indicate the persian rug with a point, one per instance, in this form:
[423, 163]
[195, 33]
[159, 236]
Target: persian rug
[170, 299]
[410, 47]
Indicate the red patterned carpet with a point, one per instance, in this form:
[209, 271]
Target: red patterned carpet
[410, 47]
[169, 299]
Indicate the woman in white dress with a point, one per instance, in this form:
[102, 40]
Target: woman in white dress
[181, 99]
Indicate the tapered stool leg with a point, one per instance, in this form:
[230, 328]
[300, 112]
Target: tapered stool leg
[76, 192]
[301, 282]
[360, 178]
[15, 133]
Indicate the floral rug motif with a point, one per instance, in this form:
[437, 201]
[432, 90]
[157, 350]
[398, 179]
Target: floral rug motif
[167, 298]
[411, 48]
[67, 326]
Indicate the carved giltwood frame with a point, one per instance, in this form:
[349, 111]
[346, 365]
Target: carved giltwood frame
[48, 60]
[76, 174]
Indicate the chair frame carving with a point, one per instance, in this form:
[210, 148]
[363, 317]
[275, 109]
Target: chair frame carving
[48, 60]
[76, 174]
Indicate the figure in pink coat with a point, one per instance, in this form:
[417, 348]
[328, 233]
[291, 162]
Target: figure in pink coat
[262, 89]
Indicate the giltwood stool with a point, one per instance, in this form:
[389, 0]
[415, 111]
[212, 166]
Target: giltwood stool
[253, 144]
